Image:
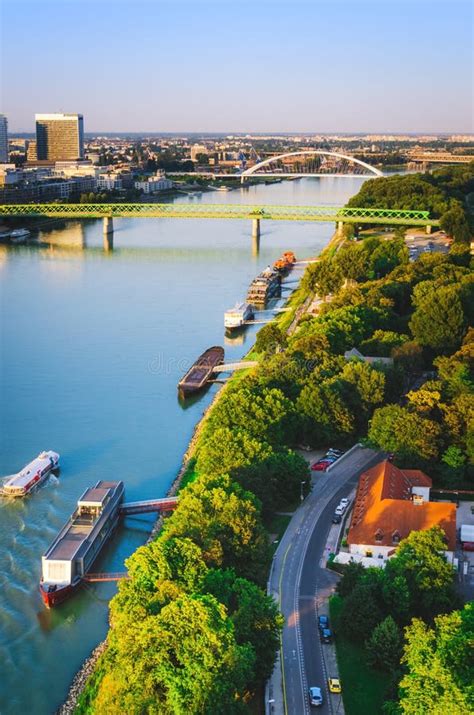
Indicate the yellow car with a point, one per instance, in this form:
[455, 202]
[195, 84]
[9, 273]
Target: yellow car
[334, 685]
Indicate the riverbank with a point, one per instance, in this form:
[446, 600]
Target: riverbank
[185, 473]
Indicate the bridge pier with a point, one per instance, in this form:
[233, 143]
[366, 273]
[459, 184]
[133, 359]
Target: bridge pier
[108, 232]
[428, 229]
[340, 228]
[255, 236]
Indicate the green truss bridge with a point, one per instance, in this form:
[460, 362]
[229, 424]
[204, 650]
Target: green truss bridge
[256, 213]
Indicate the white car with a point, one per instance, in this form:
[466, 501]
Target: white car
[344, 502]
[315, 696]
[340, 510]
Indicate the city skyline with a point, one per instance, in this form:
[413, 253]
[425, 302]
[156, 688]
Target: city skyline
[234, 67]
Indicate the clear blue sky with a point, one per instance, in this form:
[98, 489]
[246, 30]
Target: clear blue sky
[240, 65]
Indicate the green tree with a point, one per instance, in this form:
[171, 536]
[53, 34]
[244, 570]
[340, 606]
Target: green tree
[183, 660]
[328, 416]
[270, 339]
[455, 223]
[254, 615]
[438, 321]
[440, 671]
[226, 450]
[266, 414]
[361, 612]
[224, 521]
[384, 647]
[396, 429]
[352, 575]
[382, 343]
[276, 480]
[420, 559]
[323, 277]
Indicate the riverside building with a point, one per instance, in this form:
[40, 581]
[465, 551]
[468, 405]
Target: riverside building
[59, 137]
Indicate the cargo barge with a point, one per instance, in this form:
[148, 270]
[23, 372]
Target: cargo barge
[235, 317]
[80, 541]
[201, 371]
[265, 286]
[31, 476]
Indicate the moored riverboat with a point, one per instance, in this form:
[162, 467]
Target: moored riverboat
[265, 286]
[31, 476]
[76, 547]
[235, 317]
[285, 263]
[201, 371]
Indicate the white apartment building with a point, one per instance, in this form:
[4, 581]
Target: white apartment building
[153, 184]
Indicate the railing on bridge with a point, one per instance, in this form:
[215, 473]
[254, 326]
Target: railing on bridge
[148, 506]
[223, 211]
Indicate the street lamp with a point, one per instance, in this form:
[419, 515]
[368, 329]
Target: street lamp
[301, 491]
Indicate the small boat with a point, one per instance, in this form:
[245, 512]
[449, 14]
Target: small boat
[265, 286]
[80, 541]
[19, 235]
[223, 188]
[201, 371]
[235, 317]
[31, 476]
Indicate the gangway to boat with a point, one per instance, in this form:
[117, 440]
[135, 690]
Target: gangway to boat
[231, 366]
[103, 577]
[149, 505]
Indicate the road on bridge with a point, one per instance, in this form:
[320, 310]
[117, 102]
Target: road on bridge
[298, 582]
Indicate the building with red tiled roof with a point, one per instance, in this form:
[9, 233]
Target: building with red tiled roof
[390, 503]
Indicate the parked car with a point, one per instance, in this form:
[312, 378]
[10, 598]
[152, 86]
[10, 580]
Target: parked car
[344, 502]
[334, 685]
[340, 510]
[323, 622]
[315, 696]
[336, 452]
[336, 519]
[325, 635]
[320, 466]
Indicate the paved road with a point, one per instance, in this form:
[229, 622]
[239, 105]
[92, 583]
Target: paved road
[300, 584]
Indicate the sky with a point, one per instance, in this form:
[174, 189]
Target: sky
[240, 65]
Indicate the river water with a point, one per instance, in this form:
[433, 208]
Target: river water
[93, 345]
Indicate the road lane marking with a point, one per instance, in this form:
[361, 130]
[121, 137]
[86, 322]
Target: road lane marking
[282, 660]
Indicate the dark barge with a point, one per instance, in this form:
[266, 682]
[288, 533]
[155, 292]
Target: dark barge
[200, 372]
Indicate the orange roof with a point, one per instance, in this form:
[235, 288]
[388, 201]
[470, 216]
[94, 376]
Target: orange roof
[384, 512]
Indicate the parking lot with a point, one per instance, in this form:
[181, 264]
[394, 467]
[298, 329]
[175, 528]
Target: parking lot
[419, 243]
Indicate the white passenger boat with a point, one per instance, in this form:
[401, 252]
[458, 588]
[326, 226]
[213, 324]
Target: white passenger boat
[80, 541]
[31, 476]
[235, 317]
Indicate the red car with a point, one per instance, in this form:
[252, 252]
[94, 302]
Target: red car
[321, 466]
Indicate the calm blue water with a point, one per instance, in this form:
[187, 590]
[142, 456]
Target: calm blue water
[93, 345]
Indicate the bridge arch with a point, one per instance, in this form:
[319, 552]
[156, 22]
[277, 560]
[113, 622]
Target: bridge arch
[328, 163]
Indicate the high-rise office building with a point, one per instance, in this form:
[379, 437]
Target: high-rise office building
[3, 139]
[59, 137]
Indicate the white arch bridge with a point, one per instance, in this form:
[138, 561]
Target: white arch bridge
[310, 162]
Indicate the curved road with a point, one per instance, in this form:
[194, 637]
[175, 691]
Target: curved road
[301, 586]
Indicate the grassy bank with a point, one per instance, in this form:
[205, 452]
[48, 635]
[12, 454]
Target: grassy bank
[363, 688]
